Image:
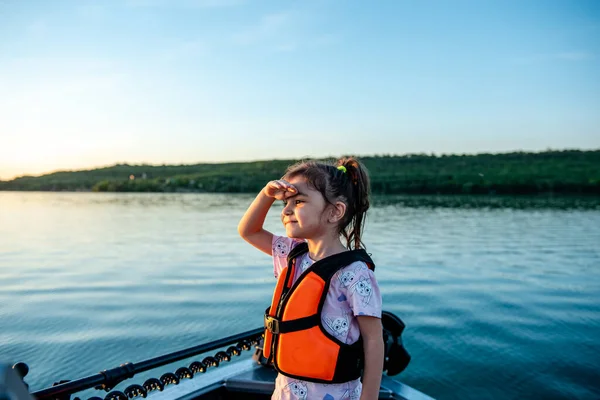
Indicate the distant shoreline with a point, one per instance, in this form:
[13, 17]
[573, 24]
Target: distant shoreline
[569, 172]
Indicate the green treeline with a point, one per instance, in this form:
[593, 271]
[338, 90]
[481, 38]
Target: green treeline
[560, 172]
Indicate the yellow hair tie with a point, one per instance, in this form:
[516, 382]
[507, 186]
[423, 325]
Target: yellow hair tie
[342, 168]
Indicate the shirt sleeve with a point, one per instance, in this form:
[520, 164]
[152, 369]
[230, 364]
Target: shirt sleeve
[281, 247]
[364, 296]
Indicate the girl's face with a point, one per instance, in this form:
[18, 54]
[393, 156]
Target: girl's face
[303, 214]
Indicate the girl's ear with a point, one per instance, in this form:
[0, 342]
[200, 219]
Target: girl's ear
[337, 212]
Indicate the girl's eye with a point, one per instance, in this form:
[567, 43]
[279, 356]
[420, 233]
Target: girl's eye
[296, 202]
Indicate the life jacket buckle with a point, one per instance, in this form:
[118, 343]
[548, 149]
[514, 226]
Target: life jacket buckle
[272, 324]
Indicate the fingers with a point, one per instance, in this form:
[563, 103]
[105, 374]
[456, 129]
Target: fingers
[274, 188]
[289, 193]
[290, 188]
[280, 189]
[283, 186]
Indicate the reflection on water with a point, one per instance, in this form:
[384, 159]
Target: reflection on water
[216, 200]
[519, 202]
[499, 294]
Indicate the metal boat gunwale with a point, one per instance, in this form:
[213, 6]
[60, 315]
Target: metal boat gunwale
[202, 380]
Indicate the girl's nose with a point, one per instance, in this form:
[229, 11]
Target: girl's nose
[287, 210]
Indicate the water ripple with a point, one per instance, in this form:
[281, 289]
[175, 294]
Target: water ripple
[499, 298]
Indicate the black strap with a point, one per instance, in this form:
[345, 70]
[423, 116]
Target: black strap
[297, 251]
[276, 326]
[328, 266]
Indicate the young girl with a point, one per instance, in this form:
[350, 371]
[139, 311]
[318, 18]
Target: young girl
[316, 352]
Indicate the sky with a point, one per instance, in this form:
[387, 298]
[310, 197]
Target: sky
[93, 83]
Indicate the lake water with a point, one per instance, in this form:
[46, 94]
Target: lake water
[501, 297]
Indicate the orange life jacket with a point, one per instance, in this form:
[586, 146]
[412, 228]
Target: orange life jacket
[295, 340]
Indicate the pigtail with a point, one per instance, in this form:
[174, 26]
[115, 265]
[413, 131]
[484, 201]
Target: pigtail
[359, 199]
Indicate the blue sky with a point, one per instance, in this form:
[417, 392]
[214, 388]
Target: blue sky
[93, 83]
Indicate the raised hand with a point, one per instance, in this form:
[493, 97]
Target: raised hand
[280, 189]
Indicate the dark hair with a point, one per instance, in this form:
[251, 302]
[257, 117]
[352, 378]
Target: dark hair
[351, 187]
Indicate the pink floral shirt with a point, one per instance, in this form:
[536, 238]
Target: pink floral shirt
[353, 291]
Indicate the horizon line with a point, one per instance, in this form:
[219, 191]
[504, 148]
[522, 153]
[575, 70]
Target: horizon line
[432, 154]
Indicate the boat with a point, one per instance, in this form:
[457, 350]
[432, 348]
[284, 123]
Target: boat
[231, 373]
